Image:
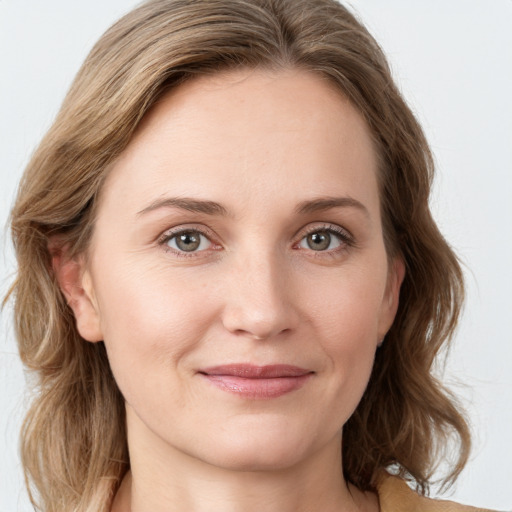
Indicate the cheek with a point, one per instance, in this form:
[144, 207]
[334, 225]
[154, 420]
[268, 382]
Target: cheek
[345, 316]
[347, 306]
[150, 321]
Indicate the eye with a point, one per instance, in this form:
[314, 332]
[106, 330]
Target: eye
[188, 241]
[324, 240]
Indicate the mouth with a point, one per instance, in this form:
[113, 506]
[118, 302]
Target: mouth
[256, 382]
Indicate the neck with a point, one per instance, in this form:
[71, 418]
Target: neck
[166, 479]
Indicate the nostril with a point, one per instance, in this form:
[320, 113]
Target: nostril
[258, 312]
[262, 335]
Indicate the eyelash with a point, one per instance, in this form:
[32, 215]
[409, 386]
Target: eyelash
[346, 240]
[169, 235]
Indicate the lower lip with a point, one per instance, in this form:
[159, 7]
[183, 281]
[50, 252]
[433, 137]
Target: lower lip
[257, 389]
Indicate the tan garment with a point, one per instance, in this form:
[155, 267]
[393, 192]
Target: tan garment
[396, 496]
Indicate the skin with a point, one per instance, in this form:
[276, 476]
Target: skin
[260, 144]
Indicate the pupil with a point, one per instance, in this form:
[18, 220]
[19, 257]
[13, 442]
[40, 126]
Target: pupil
[319, 241]
[188, 241]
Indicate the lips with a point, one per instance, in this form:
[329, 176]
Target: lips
[256, 382]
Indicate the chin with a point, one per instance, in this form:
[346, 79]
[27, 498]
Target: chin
[254, 458]
[256, 449]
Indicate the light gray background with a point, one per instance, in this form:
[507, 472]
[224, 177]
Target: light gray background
[453, 61]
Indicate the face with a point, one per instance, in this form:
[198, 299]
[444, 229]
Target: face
[237, 272]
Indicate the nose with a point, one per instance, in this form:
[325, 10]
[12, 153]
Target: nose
[258, 299]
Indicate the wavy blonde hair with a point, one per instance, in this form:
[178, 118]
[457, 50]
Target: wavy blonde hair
[74, 448]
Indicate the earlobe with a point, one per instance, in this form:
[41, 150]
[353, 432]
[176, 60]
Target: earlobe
[76, 285]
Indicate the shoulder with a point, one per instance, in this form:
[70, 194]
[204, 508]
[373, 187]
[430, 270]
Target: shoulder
[396, 496]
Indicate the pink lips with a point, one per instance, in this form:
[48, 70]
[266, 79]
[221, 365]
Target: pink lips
[257, 382]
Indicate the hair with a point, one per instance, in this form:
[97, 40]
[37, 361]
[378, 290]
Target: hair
[73, 443]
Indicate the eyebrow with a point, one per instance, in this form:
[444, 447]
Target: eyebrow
[326, 203]
[185, 203]
[212, 208]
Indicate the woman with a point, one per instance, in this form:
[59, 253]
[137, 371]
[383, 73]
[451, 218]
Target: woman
[230, 283]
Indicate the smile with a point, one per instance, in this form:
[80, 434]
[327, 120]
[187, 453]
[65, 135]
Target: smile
[256, 382]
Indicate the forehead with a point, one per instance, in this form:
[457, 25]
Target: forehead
[250, 131]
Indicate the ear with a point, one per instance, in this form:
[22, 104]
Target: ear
[391, 297]
[76, 285]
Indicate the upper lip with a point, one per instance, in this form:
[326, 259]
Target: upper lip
[250, 371]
